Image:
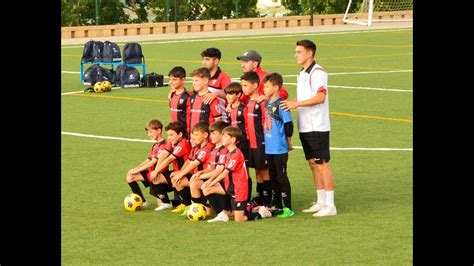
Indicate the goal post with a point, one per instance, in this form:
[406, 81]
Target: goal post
[366, 12]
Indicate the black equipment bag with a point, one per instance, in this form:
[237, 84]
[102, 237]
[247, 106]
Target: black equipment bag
[118, 73]
[87, 51]
[152, 80]
[96, 73]
[97, 49]
[130, 77]
[111, 52]
[132, 53]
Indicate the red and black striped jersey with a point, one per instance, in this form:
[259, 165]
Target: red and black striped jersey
[237, 117]
[202, 154]
[180, 107]
[203, 112]
[255, 122]
[236, 182]
[261, 75]
[155, 153]
[220, 80]
[217, 156]
[180, 151]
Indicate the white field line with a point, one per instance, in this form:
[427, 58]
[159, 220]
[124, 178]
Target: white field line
[254, 37]
[296, 147]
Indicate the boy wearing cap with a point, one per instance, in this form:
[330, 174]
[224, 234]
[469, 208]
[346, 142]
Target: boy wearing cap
[251, 61]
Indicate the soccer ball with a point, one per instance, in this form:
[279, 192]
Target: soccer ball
[133, 202]
[99, 87]
[107, 85]
[196, 212]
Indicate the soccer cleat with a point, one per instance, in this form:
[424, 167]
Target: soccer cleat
[264, 212]
[164, 206]
[286, 213]
[276, 211]
[179, 208]
[326, 211]
[185, 212]
[315, 208]
[221, 217]
[145, 204]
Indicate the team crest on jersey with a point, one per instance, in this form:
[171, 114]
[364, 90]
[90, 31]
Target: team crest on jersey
[239, 113]
[181, 101]
[201, 154]
[231, 163]
[218, 108]
[177, 149]
[214, 82]
[256, 106]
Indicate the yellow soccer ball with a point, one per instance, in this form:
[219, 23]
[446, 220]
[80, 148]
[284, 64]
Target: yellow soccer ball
[98, 87]
[133, 202]
[107, 85]
[196, 212]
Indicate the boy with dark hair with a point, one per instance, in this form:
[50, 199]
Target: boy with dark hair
[237, 115]
[218, 79]
[179, 97]
[215, 166]
[178, 154]
[197, 161]
[278, 132]
[235, 180]
[200, 110]
[254, 123]
[142, 171]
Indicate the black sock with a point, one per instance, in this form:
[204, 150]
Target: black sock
[214, 200]
[286, 194]
[162, 194]
[276, 191]
[177, 199]
[197, 200]
[249, 196]
[185, 195]
[253, 216]
[175, 194]
[267, 193]
[259, 195]
[136, 189]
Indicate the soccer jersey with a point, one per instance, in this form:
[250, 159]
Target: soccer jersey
[180, 151]
[217, 156]
[180, 107]
[237, 118]
[236, 182]
[202, 154]
[261, 75]
[161, 146]
[312, 80]
[275, 118]
[203, 112]
[254, 122]
[219, 82]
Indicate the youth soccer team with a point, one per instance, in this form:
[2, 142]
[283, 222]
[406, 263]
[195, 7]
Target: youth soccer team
[219, 130]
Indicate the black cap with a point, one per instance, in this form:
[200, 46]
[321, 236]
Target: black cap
[250, 55]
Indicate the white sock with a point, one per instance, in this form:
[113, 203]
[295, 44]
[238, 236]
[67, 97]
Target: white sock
[330, 198]
[321, 196]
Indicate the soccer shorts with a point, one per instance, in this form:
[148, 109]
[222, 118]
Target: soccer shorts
[316, 146]
[257, 158]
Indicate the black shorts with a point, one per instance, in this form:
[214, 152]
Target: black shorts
[237, 205]
[257, 158]
[316, 146]
[244, 147]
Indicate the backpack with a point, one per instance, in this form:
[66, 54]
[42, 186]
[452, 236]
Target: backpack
[93, 74]
[111, 52]
[132, 53]
[130, 78]
[118, 73]
[97, 49]
[152, 80]
[87, 51]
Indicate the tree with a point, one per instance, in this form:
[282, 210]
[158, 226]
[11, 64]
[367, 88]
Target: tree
[303, 7]
[82, 12]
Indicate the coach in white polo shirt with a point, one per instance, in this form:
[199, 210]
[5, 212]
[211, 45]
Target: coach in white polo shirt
[312, 103]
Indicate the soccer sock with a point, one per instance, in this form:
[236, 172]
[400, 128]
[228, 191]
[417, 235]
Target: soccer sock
[214, 199]
[250, 188]
[253, 216]
[267, 192]
[175, 194]
[162, 194]
[286, 194]
[321, 196]
[136, 189]
[201, 200]
[330, 198]
[259, 194]
[276, 191]
[185, 195]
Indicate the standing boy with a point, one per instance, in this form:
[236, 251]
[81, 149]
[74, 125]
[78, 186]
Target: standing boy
[254, 124]
[278, 132]
[312, 103]
[200, 110]
[179, 97]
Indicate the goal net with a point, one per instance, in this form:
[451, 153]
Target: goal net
[366, 12]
